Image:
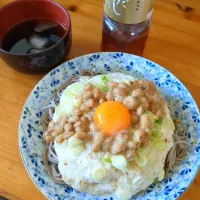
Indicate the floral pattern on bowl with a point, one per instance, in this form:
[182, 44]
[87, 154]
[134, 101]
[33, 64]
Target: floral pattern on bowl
[30, 132]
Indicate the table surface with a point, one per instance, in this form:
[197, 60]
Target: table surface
[174, 42]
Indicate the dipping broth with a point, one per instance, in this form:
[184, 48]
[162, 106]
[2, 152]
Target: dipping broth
[32, 36]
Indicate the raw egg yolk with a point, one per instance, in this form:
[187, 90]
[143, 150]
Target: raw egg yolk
[112, 117]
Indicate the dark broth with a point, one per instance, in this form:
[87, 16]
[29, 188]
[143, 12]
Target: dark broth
[32, 36]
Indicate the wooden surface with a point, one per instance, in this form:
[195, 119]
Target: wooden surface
[174, 43]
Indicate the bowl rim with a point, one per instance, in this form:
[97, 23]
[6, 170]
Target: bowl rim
[67, 32]
[90, 54]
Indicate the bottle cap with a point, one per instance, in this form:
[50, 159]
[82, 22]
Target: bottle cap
[129, 11]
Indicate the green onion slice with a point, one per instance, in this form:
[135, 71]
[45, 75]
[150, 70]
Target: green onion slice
[104, 79]
[160, 145]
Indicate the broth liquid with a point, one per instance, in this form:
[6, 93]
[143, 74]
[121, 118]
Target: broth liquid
[32, 36]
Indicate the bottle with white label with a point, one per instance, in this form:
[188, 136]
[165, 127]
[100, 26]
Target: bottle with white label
[126, 25]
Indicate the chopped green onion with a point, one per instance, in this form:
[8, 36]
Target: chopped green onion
[105, 89]
[143, 150]
[98, 174]
[155, 180]
[77, 149]
[128, 82]
[157, 134]
[140, 159]
[124, 193]
[156, 130]
[168, 124]
[119, 161]
[76, 88]
[151, 116]
[107, 160]
[159, 121]
[108, 155]
[157, 127]
[101, 87]
[104, 79]
[141, 153]
[72, 141]
[160, 145]
[153, 140]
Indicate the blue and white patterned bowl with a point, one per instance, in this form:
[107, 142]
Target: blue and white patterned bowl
[30, 133]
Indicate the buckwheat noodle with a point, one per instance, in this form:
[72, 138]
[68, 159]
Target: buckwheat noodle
[174, 156]
[179, 149]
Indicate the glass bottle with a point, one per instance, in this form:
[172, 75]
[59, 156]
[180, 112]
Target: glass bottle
[126, 25]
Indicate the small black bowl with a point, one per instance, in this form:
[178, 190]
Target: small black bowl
[18, 11]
